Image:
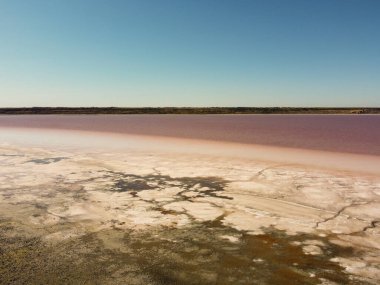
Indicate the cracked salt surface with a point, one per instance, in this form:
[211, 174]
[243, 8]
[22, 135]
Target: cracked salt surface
[124, 208]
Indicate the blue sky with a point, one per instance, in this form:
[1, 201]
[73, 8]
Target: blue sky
[189, 53]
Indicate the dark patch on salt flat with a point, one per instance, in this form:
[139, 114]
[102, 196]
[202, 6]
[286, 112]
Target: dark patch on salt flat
[12, 155]
[47, 160]
[204, 186]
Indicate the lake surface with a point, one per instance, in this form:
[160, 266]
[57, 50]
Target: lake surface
[339, 133]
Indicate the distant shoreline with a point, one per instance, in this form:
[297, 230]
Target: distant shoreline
[185, 110]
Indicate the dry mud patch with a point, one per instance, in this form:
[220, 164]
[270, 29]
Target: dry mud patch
[200, 253]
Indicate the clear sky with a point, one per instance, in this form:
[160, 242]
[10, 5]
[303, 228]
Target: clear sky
[189, 53]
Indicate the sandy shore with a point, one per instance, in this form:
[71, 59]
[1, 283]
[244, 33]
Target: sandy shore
[108, 209]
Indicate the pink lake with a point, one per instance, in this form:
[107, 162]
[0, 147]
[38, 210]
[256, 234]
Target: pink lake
[339, 133]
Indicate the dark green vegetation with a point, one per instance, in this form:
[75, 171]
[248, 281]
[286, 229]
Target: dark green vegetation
[186, 110]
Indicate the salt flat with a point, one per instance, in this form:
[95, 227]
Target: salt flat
[79, 208]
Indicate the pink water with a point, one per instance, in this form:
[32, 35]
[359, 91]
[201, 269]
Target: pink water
[341, 133]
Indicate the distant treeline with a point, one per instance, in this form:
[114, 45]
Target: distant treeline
[185, 110]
